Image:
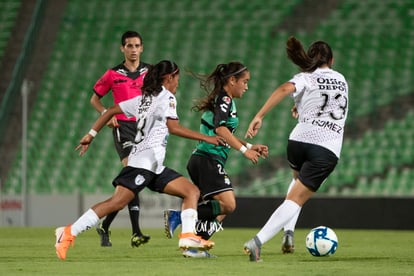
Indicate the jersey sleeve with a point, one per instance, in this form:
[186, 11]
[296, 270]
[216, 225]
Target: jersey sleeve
[300, 83]
[130, 107]
[171, 110]
[222, 110]
[103, 85]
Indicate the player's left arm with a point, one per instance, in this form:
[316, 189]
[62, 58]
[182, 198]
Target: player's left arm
[237, 144]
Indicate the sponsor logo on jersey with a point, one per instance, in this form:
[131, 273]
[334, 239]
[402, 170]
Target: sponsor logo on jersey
[119, 81]
[226, 99]
[172, 102]
[331, 84]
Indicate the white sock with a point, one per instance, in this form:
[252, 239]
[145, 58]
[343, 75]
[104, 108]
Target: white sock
[290, 225]
[188, 220]
[291, 185]
[277, 220]
[88, 220]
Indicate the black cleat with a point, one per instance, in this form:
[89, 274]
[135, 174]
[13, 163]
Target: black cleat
[105, 240]
[136, 240]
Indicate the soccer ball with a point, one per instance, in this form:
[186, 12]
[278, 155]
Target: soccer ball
[321, 241]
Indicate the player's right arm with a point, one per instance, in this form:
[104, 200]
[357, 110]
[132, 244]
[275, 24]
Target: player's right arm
[235, 143]
[100, 89]
[276, 97]
[97, 104]
[97, 126]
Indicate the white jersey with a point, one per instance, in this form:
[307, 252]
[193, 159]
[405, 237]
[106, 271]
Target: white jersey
[152, 113]
[321, 98]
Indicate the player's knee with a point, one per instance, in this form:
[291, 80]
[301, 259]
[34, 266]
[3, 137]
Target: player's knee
[192, 192]
[118, 204]
[228, 208]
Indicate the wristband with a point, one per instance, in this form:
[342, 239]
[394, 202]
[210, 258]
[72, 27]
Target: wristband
[243, 149]
[249, 146]
[92, 132]
[103, 111]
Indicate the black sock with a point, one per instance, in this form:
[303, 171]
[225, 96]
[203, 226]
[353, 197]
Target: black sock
[106, 223]
[133, 208]
[208, 210]
[207, 213]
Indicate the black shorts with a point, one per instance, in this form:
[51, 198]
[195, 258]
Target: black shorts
[124, 137]
[136, 179]
[314, 163]
[208, 175]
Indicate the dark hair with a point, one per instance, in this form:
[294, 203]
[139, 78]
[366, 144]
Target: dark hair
[319, 53]
[129, 34]
[213, 83]
[155, 76]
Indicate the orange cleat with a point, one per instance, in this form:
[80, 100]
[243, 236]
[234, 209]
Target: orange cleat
[191, 240]
[64, 238]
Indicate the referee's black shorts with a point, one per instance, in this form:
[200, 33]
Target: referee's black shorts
[314, 163]
[124, 137]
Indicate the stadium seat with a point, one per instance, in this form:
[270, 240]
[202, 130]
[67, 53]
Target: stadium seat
[8, 15]
[198, 35]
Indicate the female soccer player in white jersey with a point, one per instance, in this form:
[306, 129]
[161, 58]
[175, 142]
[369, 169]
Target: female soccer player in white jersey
[156, 115]
[314, 146]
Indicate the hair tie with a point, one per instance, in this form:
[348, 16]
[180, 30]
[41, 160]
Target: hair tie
[172, 67]
[235, 73]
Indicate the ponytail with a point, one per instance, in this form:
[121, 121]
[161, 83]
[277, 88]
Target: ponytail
[155, 76]
[213, 83]
[319, 53]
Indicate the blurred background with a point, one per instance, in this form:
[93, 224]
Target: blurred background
[52, 52]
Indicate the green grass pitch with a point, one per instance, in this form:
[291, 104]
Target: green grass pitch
[30, 251]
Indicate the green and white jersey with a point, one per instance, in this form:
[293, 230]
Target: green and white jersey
[224, 114]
